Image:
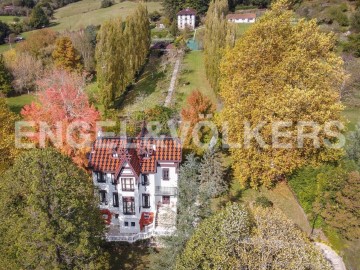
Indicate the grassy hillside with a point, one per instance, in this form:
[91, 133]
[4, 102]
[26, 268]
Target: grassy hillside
[9, 19]
[86, 12]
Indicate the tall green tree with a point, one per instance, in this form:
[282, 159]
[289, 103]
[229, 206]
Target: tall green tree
[215, 39]
[8, 151]
[268, 78]
[172, 7]
[4, 32]
[211, 180]
[49, 215]
[5, 78]
[201, 6]
[121, 51]
[38, 18]
[262, 238]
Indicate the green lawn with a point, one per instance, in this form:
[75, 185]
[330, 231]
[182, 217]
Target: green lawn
[86, 12]
[281, 196]
[150, 90]
[6, 47]
[242, 27]
[353, 116]
[9, 19]
[17, 103]
[193, 76]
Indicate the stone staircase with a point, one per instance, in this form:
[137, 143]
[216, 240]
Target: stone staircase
[165, 218]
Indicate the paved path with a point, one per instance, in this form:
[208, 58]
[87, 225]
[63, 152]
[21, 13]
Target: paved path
[173, 81]
[336, 261]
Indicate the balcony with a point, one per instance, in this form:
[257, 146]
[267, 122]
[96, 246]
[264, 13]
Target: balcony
[165, 191]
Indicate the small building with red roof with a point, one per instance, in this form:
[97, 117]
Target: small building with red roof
[241, 17]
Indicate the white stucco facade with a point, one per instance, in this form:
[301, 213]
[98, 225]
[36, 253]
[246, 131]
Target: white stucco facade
[160, 193]
[186, 21]
[246, 20]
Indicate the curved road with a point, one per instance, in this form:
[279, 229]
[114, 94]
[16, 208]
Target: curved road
[336, 261]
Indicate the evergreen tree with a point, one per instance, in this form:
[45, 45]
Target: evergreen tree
[172, 7]
[211, 178]
[5, 78]
[4, 32]
[270, 78]
[49, 215]
[38, 18]
[201, 6]
[65, 56]
[215, 39]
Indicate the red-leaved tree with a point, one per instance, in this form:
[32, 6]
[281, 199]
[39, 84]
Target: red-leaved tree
[199, 108]
[63, 115]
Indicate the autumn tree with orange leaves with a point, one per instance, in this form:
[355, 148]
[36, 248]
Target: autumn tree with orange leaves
[63, 110]
[199, 108]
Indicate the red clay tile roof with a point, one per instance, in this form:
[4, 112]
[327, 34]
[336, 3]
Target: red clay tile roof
[187, 11]
[238, 16]
[142, 154]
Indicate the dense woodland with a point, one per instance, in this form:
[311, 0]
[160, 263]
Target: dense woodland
[48, 211]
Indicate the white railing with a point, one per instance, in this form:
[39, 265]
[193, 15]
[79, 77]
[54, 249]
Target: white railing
[139, 236]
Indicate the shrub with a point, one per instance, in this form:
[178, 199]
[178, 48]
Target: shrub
[263, 202]
[355, 21]
[353, 45]
[336, 14]
[106, 3]
[155, 16]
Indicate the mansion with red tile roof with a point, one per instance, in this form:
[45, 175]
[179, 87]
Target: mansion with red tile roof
[136, 180]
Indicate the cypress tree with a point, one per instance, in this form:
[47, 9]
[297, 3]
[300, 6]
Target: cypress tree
[5, 78]
[38, 18]
[121, 52]
[215, 39]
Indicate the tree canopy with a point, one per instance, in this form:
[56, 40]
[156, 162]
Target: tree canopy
[38, 18]
[5, 78]
[215, 39]
[293, 75]
[49, 215]
[65, 55]
[121, 51]
[262, 238]
[8, 151]
[62, 102]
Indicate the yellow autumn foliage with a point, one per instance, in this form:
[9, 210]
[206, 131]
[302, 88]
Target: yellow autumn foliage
[280, 70]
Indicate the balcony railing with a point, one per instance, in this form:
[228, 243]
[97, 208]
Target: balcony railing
[138, 236]
[167, 191]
